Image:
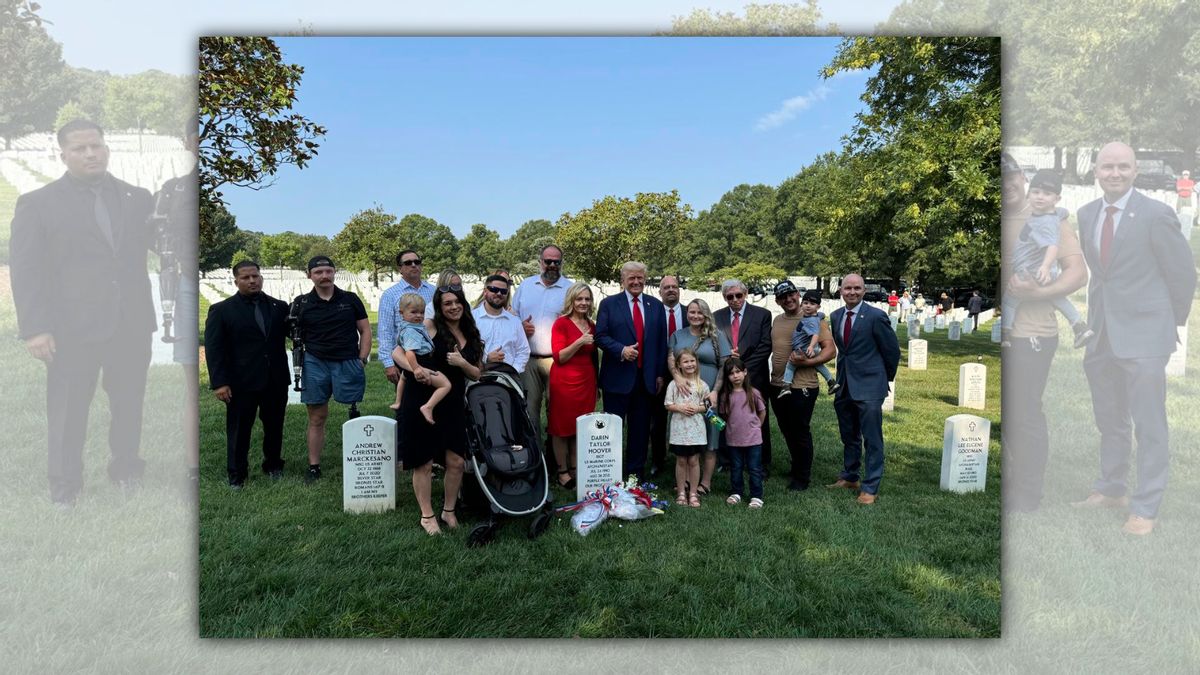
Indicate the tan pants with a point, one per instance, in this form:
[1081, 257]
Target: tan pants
[536, 380]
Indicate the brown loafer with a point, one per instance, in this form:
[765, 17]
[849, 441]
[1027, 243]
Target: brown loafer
[842, 483]
[1138, 526]
[866, 498]
[1097, 500]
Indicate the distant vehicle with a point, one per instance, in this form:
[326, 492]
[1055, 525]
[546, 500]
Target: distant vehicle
[875, 296]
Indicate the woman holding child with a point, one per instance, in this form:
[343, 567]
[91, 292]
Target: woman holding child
[457, 354]
[572, 377]
[711, 348]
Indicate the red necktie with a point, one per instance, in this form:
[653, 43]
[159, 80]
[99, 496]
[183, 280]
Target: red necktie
[736, 327]
[1106, 235]
[639, 329]
[671, 323]
[846, 329]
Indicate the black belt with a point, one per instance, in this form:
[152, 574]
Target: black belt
[541, 356]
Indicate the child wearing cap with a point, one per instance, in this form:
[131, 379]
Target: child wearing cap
[1036, 252]
[804, 341]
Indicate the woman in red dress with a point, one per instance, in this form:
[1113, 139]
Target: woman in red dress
[572, 377]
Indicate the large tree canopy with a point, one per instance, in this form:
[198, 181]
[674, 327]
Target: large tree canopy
[32, 72]
[614, 230]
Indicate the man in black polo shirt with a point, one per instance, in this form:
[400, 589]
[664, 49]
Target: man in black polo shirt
[337, 339]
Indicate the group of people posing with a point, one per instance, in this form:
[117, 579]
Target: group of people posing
[682, 376]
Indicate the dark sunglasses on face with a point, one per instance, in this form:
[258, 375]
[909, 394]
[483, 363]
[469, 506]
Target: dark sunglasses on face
[497, 291]
[551, 263]
[735, 296]
[451, 287]
[414, 262]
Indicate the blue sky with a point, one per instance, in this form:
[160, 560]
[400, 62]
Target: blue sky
[503, 130]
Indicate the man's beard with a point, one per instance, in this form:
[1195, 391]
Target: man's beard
[551, 275]
[497, 303]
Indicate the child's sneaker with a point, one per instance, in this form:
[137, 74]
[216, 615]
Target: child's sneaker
[756, 503]
[1083, 334]
[786, 391]
[834, 387]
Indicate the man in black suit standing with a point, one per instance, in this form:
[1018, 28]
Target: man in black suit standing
[248, 370]
[83, 303]
[1141, 288]
[748, 328]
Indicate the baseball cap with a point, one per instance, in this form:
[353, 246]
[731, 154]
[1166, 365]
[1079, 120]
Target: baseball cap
[1048, 180]
[320, 261]
[784, 287]
[813, 296]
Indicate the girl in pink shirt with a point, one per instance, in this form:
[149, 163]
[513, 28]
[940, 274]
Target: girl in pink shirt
[744, 411]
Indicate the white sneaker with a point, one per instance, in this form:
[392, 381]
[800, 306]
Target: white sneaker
[756, 503]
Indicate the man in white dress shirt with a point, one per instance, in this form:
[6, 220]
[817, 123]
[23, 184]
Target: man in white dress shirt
[503, 337]
[538, 303]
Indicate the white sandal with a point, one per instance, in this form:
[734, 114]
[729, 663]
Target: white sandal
[756, 503]
[734, 500]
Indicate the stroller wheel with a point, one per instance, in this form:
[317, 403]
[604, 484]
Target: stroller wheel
[481, 535]
[538, 527]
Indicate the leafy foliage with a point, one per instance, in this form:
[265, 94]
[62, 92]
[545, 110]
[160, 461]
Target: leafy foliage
[617, 229]
[738, 228]
[32, 72]
[370, 240]
[479, 251]
[148, 100]
[246, 132]
[219, 237]
[765, 19]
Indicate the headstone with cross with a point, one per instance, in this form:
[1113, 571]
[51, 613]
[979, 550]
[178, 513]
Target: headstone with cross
[369, 464]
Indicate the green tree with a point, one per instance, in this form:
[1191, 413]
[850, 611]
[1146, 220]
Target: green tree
[434, 241]
[765, 19]
[369, 241]
[282, 250]
[149, 100]
[480, 251]
[88, 89]
[219, 237]
[598, 240]
[246, 131]
[313, 245]
[238, 256]
[738, 228]
[70, 111]
[753, 274]
[523, 247]
[32, 73]
[806, 207]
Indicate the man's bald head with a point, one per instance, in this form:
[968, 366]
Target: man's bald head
[1116, 167]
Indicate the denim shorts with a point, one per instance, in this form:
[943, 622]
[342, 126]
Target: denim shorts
[345, 380]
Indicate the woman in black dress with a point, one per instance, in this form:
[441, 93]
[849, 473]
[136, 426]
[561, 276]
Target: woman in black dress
[457, 353]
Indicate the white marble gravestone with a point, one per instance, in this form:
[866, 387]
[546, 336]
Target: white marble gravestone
[1186, 217]
[914, 328]
[997, 336]
[1176, 365]
[939, 322]
[369, 464]
[929, 322]
[597, 452]
[955, 332]
[972, 385]
[894, 320]
[918, 354]
[965, 452]
[967, 326]
[889, 403]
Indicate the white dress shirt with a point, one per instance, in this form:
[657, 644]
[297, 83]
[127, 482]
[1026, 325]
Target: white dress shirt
[503, 332]
[1098, 226]
[543, 303]
[680, 317]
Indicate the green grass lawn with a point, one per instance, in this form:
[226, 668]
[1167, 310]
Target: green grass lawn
[283, 560]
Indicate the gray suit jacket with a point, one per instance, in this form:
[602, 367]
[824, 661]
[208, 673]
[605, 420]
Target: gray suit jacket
[1146, 289]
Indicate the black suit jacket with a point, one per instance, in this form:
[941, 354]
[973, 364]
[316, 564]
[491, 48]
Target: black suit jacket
[754, 340]
[67, 279]
[237, 352]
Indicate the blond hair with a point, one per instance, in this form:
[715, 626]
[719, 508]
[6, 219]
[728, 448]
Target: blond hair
[411, 301]
[573, 292]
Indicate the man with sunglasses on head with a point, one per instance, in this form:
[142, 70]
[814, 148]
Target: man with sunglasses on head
[748, 328]
[538, 303]
[390, 320]
[503, 336]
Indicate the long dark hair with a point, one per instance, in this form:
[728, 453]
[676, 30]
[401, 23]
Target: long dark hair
[466, 324]
[727, 386]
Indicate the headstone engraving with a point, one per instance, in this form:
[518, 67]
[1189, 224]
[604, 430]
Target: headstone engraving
[972, 385]
[918, 354]
[597, 452]
[889, 403]
[1177, 364]
[965, 452]
[369, 464]
[955, 332]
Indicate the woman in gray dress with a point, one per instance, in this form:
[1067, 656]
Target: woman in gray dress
[711, 348]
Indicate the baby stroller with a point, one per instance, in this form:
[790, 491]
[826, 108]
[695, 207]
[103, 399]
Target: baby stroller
[504, 454]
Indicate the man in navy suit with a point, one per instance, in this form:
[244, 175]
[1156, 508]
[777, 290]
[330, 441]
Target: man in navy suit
[868, 355]
[1141, 288]
[631, 331]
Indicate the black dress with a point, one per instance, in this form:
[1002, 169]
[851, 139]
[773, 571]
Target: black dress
[422, 442]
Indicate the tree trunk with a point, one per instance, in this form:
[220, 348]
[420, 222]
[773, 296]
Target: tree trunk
[1058, 158]
[1072, 167]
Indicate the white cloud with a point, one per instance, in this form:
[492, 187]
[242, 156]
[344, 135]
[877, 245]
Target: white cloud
[791, 108]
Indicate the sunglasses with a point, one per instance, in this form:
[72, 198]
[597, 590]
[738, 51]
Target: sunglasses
[735, 296]
[451, 287]
[497, 290]
[551, 263]
[414, 262]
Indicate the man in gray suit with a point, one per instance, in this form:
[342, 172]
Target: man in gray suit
[1141, 288]
[868, 355]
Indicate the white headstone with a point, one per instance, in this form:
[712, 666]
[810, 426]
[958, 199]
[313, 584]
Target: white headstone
[889, 403]
[967, 326]
[369, 464]
[894, 320]
[918, 354]
[955, 332]
[996, 334]
[914, 328]
[597, 452]
[965, 452]
[1186, 217]
[1177, 364]
[928, 327]
[939, 321]
[972, 385]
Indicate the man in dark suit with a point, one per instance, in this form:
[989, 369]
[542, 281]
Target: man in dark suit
[676, 318]
[83, 303]
[248, 370]
[631, 332]
[752, 344]
[1142, 283]
[868, 355]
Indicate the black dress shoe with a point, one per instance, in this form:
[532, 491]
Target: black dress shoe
[275, 474]
[797, 486]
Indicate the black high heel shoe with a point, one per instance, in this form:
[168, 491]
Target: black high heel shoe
[570, 483]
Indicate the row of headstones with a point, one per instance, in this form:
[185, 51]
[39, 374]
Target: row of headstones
[369, 458]
[955, 328]
[972, 384]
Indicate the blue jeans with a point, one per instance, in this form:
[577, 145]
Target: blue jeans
[748, 457]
